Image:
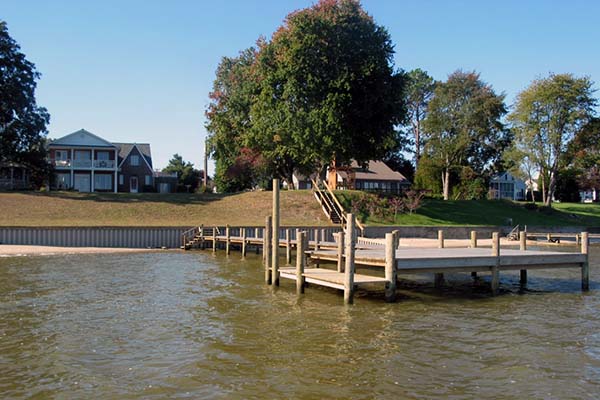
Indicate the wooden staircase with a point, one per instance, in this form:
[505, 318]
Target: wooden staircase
[331, 206]
[194, 237]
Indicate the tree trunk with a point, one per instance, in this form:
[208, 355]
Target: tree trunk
[543, 186]
[417, 128]
[446, 183]
[551, 188]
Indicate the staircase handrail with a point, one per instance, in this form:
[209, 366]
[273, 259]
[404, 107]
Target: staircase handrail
[340, 208]
[514, 233]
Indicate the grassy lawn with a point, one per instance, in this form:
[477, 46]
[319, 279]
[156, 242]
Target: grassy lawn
[487, 212]
[154, 209]
[250, 208]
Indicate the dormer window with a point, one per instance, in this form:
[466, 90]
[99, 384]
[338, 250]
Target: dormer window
[134, 160]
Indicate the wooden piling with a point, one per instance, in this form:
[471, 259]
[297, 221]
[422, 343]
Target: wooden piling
[390, 267]
[349, 269]
[267, 249]
[438, 280]
[495, 269]
[523, 247]
[585, 266]
[214, 239]
[202, 237]
[473, 239]
[300, 260]
[316, 235]
[275, 235]
[340, 251]
[227, 240]
[396, 234]
[243, 242]
[288, 247]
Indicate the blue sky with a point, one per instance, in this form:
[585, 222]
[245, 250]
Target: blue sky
[141, 71]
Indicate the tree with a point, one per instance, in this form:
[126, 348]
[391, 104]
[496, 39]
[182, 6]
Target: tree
[463, 126]
[229, 121]
[188, 177]
[322, 89]
[22, 121]
[419, 91]
[545, 119]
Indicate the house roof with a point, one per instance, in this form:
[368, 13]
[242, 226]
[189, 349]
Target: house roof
[376, 171]
[143, 148]
[81, 138]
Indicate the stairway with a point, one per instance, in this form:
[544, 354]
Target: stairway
[328, 203]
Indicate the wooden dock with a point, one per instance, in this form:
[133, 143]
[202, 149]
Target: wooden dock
[383, 257]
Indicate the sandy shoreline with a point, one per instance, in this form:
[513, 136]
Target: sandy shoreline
[9, 250]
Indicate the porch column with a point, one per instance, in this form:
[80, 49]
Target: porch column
[116, 171]
[92, 180]
[71, 162]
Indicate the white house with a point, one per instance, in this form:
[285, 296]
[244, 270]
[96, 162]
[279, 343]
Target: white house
[506, 186]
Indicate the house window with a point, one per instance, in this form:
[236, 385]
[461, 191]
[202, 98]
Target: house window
[148, 180]
[83, 155]
[121, 180]
[102, 182]
[61, 155]
[134, 160]
[102, 155]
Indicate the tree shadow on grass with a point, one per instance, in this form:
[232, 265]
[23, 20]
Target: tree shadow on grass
[166, 198]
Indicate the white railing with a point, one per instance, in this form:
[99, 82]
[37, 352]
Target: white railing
[61, 163]
[82, 163]
[109, 164]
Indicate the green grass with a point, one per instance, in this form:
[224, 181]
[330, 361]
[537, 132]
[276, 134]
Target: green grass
[487, 212]
[155, 209]
[251, 208]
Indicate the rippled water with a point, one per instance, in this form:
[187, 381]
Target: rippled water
[194, 325]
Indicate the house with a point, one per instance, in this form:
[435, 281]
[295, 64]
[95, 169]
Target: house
[14, 176]
[135, 168]
[88, 163]
[302, 182]
[375, 176]
[165, 182]
[505, 186]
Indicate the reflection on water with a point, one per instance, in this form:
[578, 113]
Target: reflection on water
[192, 325]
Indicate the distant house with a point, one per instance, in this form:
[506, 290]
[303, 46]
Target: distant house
[88, 163]
[302, 182]
[376, 176]
[506, 186]
[14, 176]
[165, 182]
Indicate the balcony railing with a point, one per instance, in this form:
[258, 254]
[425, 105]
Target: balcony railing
[61, 163]
[99, 164]
[109, 164]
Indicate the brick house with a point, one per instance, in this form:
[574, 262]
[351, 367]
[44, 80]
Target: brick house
[376, 176]
[88, 163]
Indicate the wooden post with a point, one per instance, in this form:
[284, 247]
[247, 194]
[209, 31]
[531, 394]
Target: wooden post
[267, 250]
[340, 251]
[288, 247]
[438, 280]
[390, 267]
[578, 239]
[243, 241]
[523, 247]
[349, 269]
[474, 246]
[214, 239]
[275, 235]
[227, 240]
[300, 260]
[396, 234]
[202, 237]
[256, 237]
[495, 271]
[473, 239]
[316, 233]
[585, 266]
[323, 235]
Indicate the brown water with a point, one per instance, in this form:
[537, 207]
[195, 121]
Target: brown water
[192, 325]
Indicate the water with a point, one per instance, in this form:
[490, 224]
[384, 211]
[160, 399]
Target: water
[194, 325]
